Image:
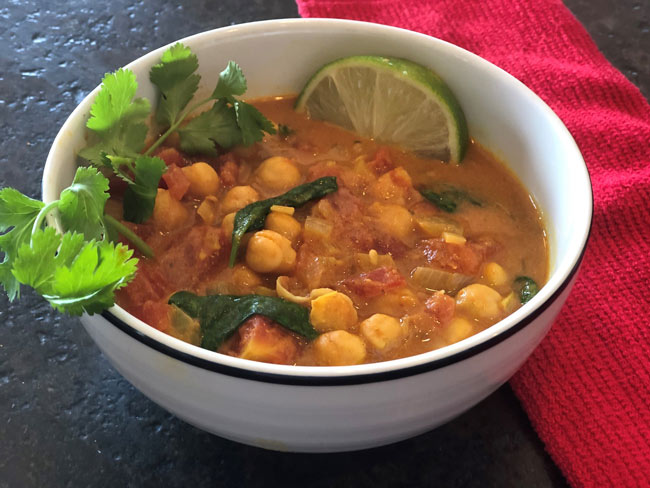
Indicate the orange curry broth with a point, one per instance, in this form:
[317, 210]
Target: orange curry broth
[364, 247]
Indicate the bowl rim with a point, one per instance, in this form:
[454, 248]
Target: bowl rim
[212, 361]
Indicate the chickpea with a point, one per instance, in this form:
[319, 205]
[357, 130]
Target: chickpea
[284, 225]
[237, 198]
[479, 301]
[392, 186]
[269, 252]
[381, 330]
[332, 311]
[339, 348]
[245, 278]
[393, 219]
[204, 180]
[457, 330]
[168, 213]
[277, 174]
[228, 224]
[495, 275]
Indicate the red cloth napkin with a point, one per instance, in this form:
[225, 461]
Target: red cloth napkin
[586, 388]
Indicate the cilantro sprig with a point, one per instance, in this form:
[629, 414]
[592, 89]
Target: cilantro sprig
[117, 119]
[229, 121]
[76, 272]
[80, 270]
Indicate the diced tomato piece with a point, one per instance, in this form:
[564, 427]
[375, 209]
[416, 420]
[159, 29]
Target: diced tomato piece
[148, 285]
[457, 258]
[351, 230]
[176, 181]
[195, 255]
[171, 156]
[228, 170]
[156, 314]
[376, 282]
[441, 306]
[386, 244]
[261, 339]
[382, 162]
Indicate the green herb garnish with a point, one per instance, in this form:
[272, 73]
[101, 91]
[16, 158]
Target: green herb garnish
[221, 315]
[117, 119]
[80, 270]
[252, 217]
[76, 272]
[526, 288]
[449, 199]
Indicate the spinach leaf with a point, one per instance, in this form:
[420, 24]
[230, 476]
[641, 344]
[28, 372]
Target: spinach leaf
[221, 315]
[448, 199]
[527, 288]
[252, 217]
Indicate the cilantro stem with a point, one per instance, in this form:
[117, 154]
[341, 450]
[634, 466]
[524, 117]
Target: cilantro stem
[175, 125]
[38, 222]
[131, 236]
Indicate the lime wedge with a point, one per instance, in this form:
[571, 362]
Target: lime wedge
[392, 100]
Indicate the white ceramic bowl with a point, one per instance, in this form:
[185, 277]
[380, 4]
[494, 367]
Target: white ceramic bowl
[353, 407]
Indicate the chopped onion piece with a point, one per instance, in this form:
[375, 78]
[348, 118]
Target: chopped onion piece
[208, 210]
[435, 226]
[316, 227]
[437, 279]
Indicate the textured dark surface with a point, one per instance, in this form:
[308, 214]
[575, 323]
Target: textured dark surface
[67, 418]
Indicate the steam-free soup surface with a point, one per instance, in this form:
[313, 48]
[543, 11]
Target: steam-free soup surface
[384, 272]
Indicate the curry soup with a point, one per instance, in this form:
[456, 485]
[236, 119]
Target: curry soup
[384, 272]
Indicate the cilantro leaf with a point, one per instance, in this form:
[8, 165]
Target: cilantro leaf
[74, 275]
[17, 216]
[174, 76]
[231, 82]
[81, 205]
[252, 123]
[116, 118]
[140, 197]
[116, 163]
[219, 124]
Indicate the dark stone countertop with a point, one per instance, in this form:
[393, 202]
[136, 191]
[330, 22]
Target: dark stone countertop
[67, 418]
